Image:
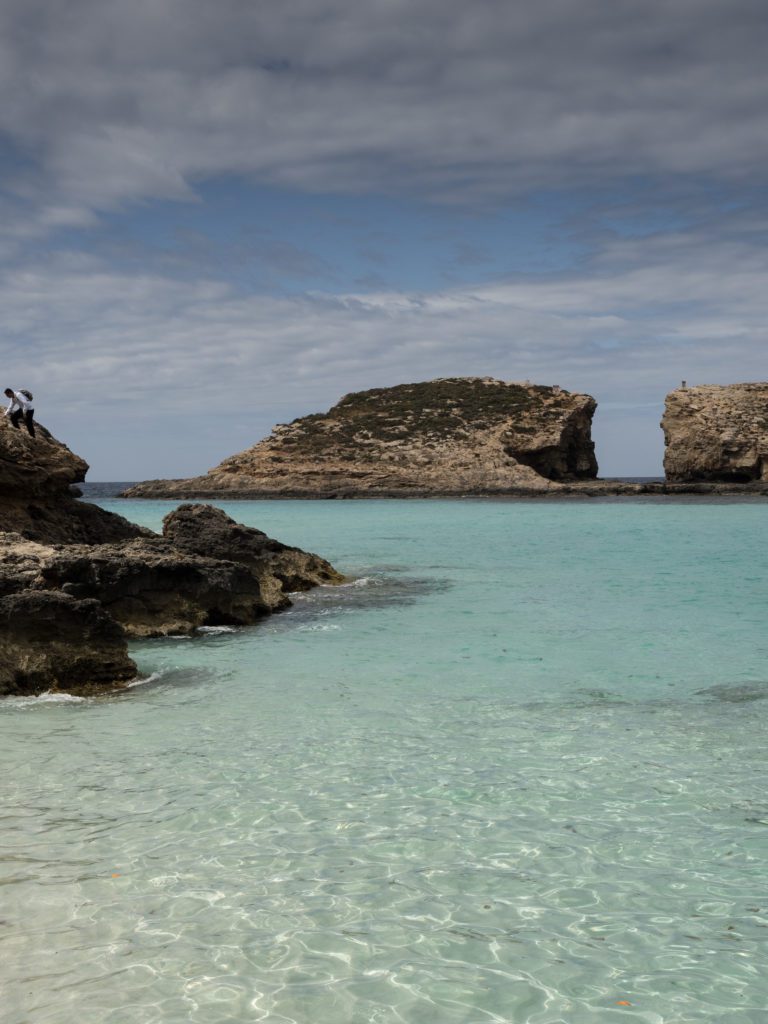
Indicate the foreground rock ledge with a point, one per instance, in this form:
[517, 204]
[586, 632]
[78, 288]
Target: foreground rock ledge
[67, 610]
[461, 435]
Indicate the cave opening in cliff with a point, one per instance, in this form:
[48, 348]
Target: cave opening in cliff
[557, 463]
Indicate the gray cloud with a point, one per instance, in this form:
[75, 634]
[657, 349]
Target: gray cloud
[108, 102]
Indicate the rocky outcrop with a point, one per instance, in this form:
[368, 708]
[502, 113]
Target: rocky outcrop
[465, 435]
[204, 530]
[51, 641]
[225, 574]
[207, 570]
[36, 499]
[77, 581]
[717, 434]
[152, 589]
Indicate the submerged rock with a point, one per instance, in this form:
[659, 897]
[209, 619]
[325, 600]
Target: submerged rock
[464, 435]
[717, 434]
[52, 641]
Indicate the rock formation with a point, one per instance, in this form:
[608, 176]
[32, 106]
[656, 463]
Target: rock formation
[717, 434]
[204, 530]
[465, 435]
[228, 574]
[37, 475]
[76, 581]
[51, 641]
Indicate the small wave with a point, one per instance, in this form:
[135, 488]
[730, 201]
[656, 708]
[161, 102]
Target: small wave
[143, 680]
[176, 676]
[318, 628]
[369, 592]
[43, 698]
[216, 629]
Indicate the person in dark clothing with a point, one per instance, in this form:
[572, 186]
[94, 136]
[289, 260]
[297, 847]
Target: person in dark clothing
[21, 406]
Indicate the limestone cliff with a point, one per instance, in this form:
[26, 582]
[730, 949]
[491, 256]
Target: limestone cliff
[717, 433]
[465, 435]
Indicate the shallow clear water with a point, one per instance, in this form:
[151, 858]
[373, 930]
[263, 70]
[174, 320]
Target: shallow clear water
[514, 773]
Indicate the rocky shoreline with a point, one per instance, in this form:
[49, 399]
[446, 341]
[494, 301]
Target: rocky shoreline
[77, 582]
[158, 490]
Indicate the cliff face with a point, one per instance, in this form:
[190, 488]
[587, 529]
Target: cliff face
[717, 433]
[453, 436]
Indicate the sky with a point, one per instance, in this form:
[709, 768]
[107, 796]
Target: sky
[215, 217]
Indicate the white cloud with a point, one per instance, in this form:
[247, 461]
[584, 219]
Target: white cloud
[628, 326]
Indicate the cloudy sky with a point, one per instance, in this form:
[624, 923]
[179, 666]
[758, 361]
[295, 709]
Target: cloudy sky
[216, 216]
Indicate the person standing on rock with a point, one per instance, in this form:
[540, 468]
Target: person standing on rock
[21, 405]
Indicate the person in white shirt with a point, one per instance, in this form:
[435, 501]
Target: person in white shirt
[21, 405]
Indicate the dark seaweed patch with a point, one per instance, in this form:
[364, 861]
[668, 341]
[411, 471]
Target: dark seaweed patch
[735, 693]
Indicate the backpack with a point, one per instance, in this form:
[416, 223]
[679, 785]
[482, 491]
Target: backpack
[27, 394]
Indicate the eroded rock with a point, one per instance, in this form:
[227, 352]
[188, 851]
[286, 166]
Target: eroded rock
[153, 589]
[76, 581]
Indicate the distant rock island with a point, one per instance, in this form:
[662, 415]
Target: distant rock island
[459, 435]
[717, 434]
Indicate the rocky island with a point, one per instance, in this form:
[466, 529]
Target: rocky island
[453, 436]
[77, 581]
[466, 436]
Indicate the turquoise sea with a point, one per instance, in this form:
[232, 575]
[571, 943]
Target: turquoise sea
[513, 771]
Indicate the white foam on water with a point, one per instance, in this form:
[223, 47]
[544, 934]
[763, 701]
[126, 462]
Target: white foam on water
[43, 698]
[143, 680]
[217, 629]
